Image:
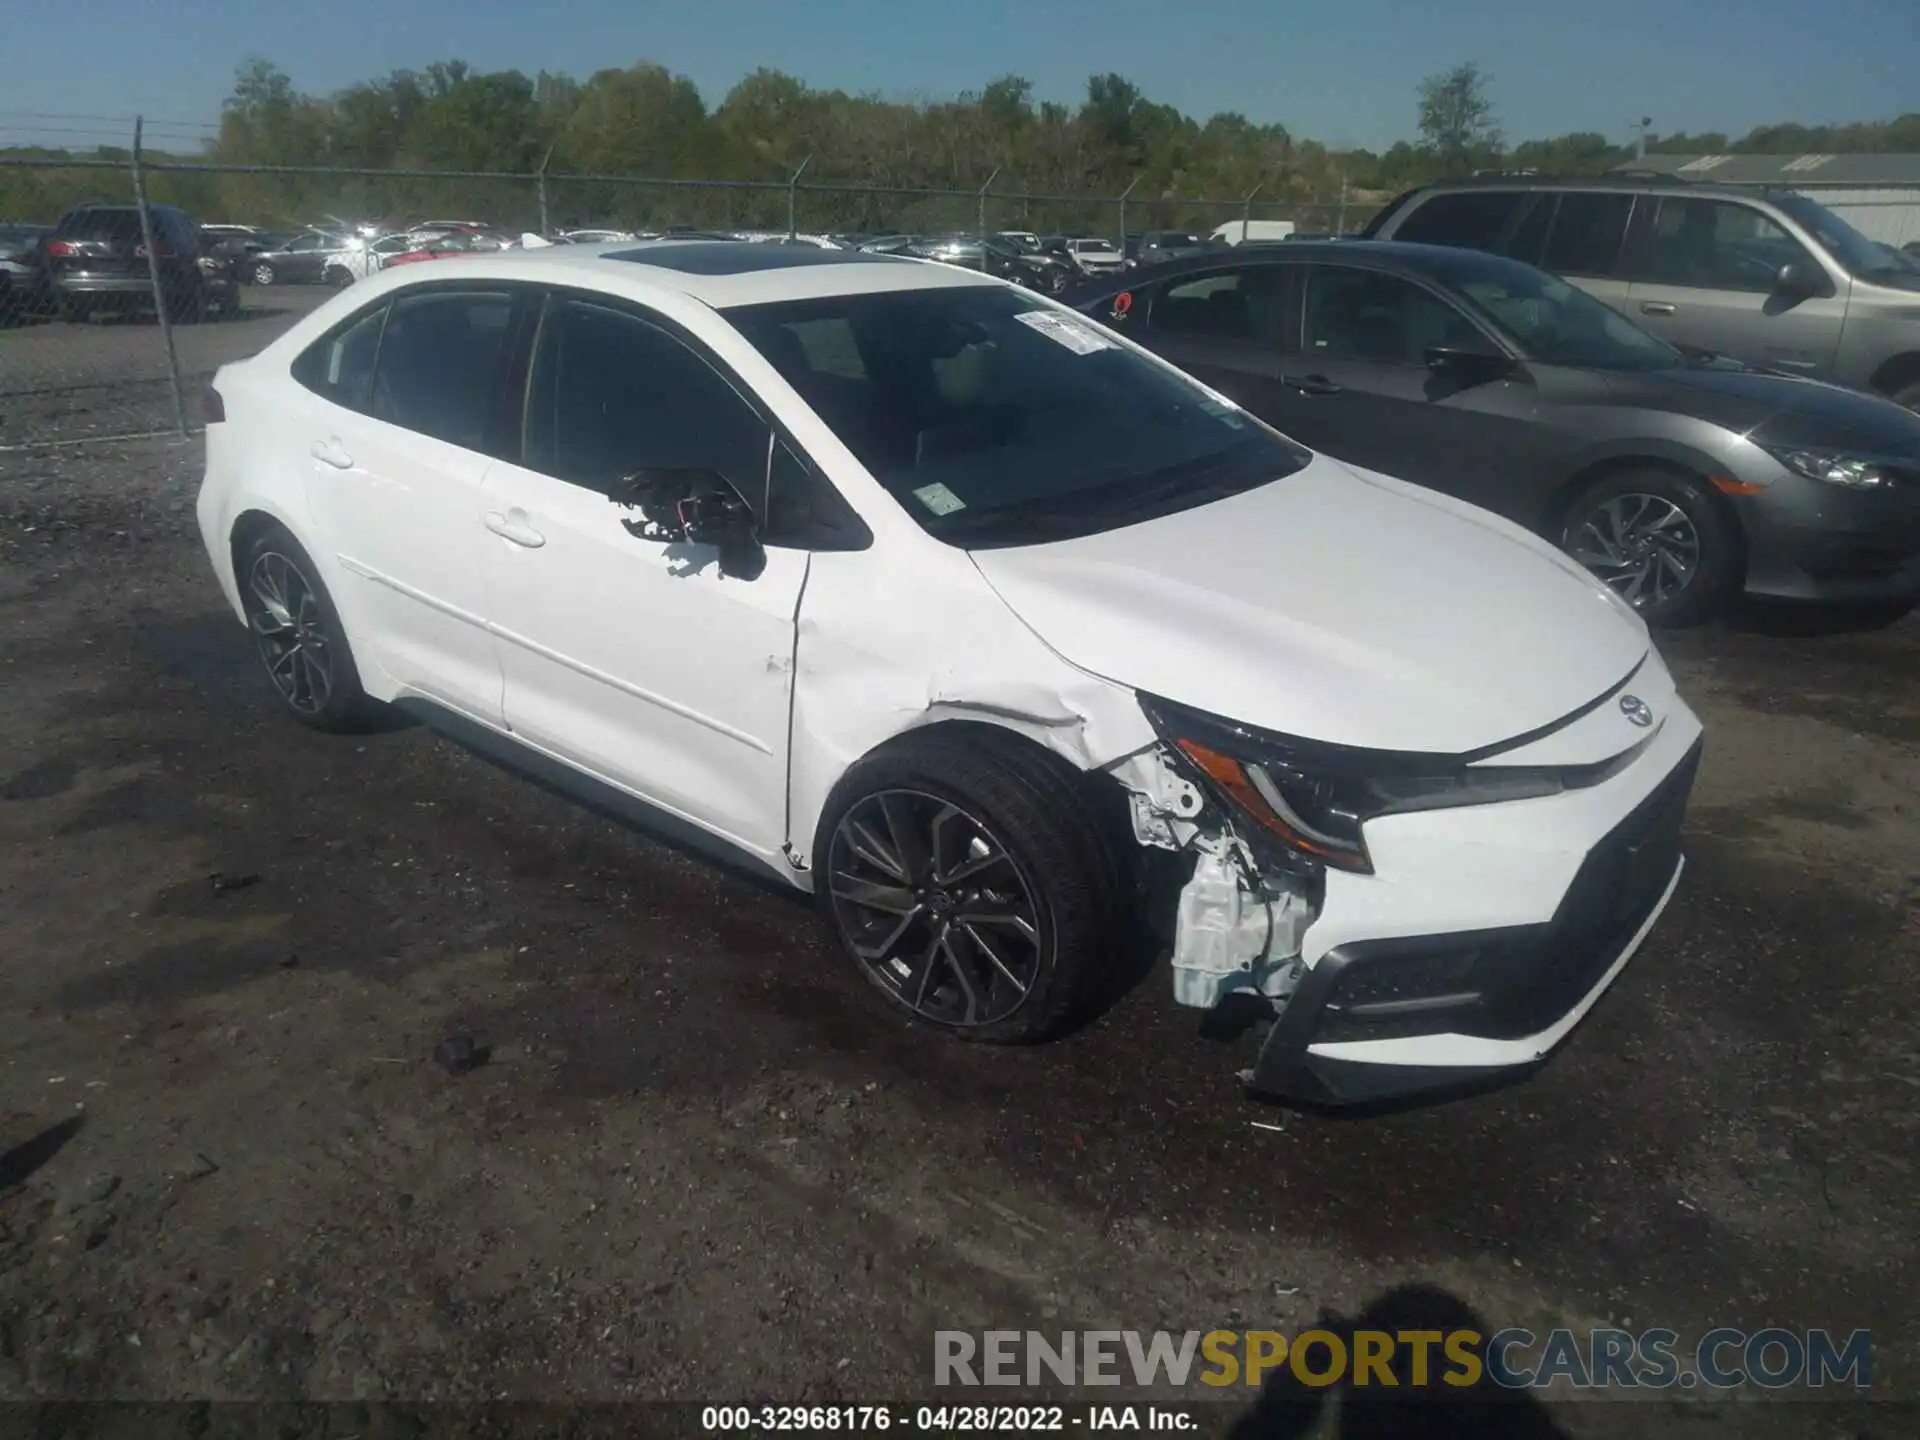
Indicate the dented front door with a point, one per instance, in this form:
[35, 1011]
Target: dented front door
[637, 660]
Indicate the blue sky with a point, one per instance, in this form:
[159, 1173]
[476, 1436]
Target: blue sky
[1340, 71]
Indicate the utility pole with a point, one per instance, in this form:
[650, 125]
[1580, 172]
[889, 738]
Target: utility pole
[1640, 146]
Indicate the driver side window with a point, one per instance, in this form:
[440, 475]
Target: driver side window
[1717, 245]
[610, 394]
[1372, 316]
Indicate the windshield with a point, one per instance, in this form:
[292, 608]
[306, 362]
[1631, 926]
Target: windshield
[1554, 322]
[1855, 252]
[996, 419]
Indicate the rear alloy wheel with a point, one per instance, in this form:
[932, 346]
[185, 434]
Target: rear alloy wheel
[298, 634]
[971, 885]
[1660, 539]
[263, 274]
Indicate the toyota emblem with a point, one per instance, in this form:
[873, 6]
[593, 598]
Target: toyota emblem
[1636, 710]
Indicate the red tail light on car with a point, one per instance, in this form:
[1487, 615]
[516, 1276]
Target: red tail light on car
[59, 249]
[213, 409]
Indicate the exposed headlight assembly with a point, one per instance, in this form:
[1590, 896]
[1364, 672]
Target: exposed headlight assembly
[1836, 467]
[1313, 800]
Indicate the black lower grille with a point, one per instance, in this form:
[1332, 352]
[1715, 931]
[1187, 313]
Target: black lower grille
[1616, 888]
[1504, 984]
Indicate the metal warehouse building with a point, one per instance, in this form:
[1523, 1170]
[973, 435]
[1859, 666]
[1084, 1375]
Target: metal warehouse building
[1879, 195]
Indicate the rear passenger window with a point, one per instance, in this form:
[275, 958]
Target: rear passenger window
[1465, 219]
[1587, 234]
[1233, 305]
[340, 366]
[441, 358]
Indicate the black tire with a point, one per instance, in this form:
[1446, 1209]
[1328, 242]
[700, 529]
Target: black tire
[1718, 558]
[75, 312]
[262, 273]
[1907, 394]
[272, 553]
[338, 276]
[1056, 865]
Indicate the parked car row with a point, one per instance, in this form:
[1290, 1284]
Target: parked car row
[1679, 477]
[95, 262]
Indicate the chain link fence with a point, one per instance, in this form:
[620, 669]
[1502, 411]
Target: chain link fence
[76, 369]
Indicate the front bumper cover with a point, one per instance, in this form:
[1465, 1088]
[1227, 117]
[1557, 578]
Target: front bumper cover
[1377, 1020]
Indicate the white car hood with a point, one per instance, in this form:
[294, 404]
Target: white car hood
[1336, 605]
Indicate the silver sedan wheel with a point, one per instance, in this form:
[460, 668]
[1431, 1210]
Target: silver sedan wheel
[284, 614]
[1644, 546]
[936, 909]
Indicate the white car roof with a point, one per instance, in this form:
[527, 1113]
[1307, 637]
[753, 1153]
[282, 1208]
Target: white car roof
[717, 273]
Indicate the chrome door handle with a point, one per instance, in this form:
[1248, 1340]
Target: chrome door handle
[328, 452]
[513, 526]
[1655, 307]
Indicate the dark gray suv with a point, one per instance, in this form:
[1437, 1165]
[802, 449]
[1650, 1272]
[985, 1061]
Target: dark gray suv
[1767, 276]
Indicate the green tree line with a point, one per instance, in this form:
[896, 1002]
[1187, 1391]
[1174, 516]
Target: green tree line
[645, 121]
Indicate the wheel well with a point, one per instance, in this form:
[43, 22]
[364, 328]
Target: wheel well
[248, 527]
[1900, 371]
[1105, 798]
[1556, 512]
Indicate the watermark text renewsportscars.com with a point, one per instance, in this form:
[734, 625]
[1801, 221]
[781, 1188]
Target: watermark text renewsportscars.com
[1774, 1358]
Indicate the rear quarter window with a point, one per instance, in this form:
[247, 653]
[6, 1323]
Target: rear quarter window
[1464, 219]
[339, 366]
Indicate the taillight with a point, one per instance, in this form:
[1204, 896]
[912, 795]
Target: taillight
[213, 409]
[60, 249]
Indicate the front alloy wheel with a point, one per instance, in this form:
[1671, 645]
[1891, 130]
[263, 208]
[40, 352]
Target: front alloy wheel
[1664, 541]
[1644, 546]
[284, 613]
[935, 908]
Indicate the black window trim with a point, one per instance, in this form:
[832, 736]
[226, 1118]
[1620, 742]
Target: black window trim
[844, 531]
[1298, 333]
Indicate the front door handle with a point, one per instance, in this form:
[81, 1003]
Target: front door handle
[1655, 307]
[1310, 384]
[513, 526]
[329, 452]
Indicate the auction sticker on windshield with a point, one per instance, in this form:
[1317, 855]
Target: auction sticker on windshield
[939, 499]
[1080, 338]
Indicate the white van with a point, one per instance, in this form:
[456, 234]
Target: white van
[1239, 232]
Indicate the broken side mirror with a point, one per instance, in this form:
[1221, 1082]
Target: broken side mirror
[695, 507]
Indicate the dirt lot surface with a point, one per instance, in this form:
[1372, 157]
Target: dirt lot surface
[699, 1164]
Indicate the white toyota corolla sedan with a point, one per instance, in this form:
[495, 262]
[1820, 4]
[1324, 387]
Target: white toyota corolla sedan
[1006, 639]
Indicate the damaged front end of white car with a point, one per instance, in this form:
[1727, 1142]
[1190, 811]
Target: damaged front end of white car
[1505, 899]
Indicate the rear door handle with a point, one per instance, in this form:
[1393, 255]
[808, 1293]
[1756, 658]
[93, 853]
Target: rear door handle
[513, 526]
[329, 452]
[1310, 384]
[1655, 307]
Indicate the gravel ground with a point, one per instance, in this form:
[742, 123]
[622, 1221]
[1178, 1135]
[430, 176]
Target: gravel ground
[62, 382]
[700, 1165]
